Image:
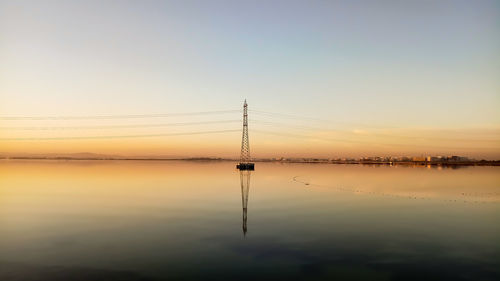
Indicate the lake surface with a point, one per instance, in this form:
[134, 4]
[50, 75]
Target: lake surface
[185, 220]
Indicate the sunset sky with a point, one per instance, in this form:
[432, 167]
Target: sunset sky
[322, 78]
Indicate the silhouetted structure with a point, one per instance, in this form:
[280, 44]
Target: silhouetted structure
[245, 146]
[245, 187]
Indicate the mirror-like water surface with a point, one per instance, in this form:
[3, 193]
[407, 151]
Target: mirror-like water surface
[152, 220]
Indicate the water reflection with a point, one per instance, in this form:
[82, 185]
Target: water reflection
[155, 220]
[245, 186]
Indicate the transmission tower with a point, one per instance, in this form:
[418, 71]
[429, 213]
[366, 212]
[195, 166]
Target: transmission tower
[245, 146]
[245, 187]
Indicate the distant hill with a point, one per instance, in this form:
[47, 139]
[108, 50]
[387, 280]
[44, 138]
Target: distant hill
[82, 155]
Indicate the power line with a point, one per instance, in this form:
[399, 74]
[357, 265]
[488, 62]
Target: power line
[348, 141]
[283, 115]
[370, 134]
[302, 118]
[128, 116]
[305, 137]
[302, 127]
[121, 126]
[119, 137]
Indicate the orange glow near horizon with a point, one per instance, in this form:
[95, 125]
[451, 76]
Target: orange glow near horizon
[478, 144]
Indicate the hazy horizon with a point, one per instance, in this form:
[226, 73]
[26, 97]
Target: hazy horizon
[90, 155]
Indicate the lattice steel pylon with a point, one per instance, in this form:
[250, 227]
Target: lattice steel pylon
[245, 145]
[245, 188]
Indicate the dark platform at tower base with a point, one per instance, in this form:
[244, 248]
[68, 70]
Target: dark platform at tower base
[245, 166]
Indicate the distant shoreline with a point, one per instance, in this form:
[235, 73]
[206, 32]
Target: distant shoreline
[307, 161]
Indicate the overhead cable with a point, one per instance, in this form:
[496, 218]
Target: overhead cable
[118, 136]
[126, 116]
[121, 126]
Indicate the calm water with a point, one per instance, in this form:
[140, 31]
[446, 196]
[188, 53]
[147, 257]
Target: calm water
[128, 220]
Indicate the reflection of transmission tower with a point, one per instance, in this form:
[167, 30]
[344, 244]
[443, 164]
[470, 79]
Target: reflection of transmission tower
[245, 146]
[245, 186]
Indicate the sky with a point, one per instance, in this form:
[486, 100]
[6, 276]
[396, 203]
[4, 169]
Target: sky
[322, 78]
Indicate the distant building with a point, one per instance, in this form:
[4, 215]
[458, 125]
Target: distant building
[419, 159]
[437, 158]
[455, 158]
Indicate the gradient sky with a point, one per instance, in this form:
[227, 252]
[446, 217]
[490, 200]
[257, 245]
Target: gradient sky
[375, 77]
